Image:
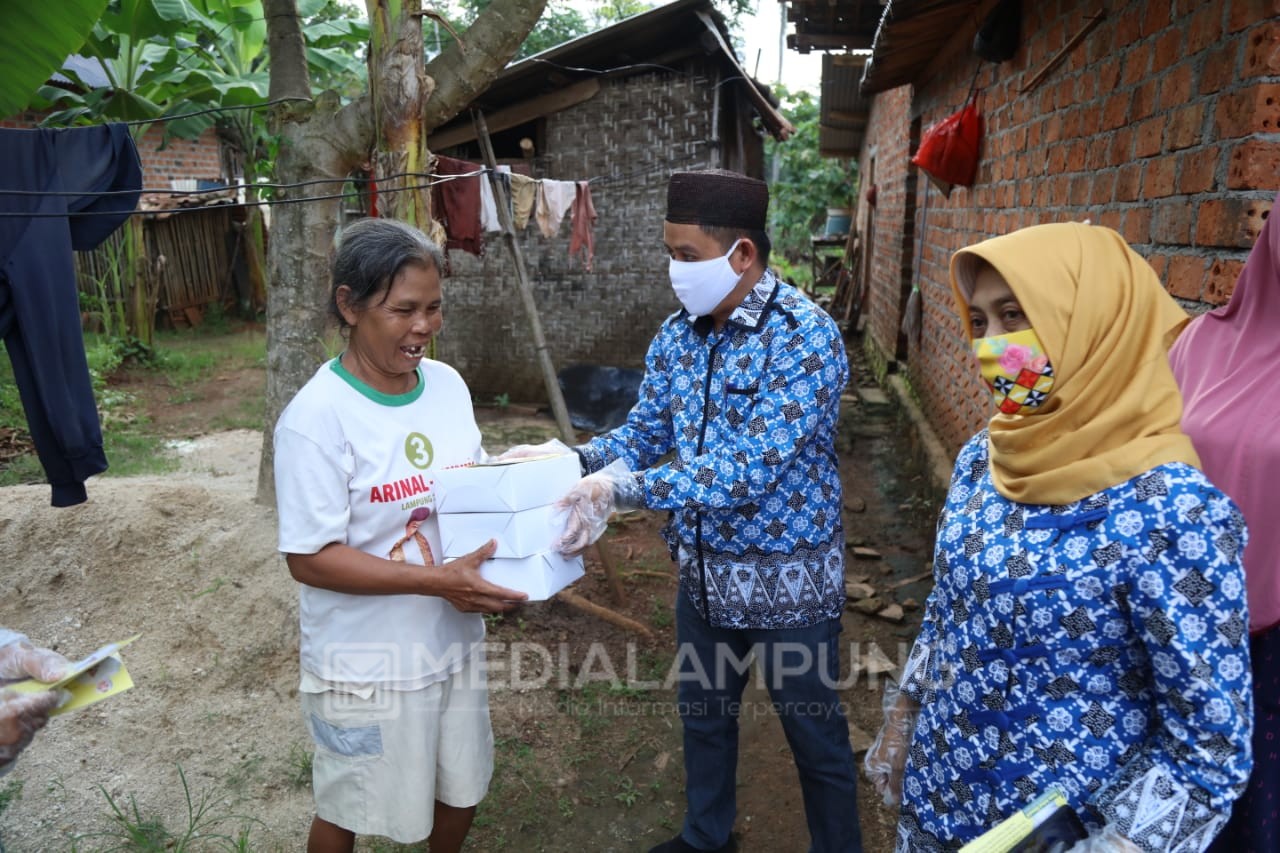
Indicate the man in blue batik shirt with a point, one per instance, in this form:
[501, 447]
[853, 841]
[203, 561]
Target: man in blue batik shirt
[744, 386]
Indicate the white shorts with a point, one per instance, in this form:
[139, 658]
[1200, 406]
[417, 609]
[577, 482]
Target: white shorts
[382, 762]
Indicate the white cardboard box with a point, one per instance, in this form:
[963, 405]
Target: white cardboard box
[541, 575]
[506, 487]
[518, 534]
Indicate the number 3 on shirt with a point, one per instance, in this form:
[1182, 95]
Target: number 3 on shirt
[417, 447]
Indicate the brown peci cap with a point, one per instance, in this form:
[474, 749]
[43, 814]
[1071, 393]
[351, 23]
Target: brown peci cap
[717, 198]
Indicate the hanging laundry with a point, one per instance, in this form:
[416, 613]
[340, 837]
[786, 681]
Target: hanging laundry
[457, 203]
[39, 301]
[524, 190]
[489, 219]
[584, 219]
[488, 210]
[555, 198]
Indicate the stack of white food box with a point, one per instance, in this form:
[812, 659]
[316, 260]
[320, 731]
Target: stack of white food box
[512, 503]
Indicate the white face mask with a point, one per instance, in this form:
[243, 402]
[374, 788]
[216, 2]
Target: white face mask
[702, 285]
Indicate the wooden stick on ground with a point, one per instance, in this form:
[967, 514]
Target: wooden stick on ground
[912, 579]
[576, 601]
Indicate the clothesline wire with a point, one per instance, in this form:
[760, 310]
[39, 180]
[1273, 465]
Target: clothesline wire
[382, 190]
[5, 214]
[355, 179]
[209, 110]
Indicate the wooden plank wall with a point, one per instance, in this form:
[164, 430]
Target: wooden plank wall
[198, 260]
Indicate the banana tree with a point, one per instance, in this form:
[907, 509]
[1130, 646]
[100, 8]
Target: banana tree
[174, 57]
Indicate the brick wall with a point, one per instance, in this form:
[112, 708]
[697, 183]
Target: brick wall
[1164, 124]
[190, 159]
[642, 128]
[181, 159]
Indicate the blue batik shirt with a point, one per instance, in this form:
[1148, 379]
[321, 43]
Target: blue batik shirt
[1100, 647]
[754, 485]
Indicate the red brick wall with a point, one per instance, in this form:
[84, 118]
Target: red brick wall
[181, 158]
[888, 145]
[1164, 124]
[189, 159]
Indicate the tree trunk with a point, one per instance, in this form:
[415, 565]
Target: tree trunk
[399, 89]
[464, 71]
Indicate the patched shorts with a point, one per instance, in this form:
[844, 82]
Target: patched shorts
[382, 762]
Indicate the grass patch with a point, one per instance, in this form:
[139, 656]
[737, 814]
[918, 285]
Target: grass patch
[301, 761]
[10, 793]
[205, 821]
[183, 362]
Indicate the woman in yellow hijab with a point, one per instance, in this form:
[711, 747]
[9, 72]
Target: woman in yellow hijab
[1085, 639]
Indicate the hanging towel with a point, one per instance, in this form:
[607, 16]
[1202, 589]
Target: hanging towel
[554, 200]
[524, 190]
[457, 203]
[488, 209]
[39, 301]
[584, 219]
[489, 219]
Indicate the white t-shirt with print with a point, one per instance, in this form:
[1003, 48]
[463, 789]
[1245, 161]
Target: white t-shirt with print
[356, 466]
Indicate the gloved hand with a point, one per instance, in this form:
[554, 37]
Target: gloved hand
[886, 760]
[554, 447]
[20, 660]
[589, 504]
[21, 716]
[1106, 840]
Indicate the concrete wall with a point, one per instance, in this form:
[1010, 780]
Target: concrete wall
[1164, 124]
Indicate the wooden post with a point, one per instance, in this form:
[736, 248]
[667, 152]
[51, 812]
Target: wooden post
[558, 408]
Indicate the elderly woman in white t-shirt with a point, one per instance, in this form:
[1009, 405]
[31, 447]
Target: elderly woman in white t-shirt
[393, 684]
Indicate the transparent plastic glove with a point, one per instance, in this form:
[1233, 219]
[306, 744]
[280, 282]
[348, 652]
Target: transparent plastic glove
[1106, 840]
[21, 716]
[554, 447]
[886, 760]
[589, 504]
[21, 660]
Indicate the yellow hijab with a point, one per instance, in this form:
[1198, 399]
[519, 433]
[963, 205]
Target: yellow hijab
[1106, 324]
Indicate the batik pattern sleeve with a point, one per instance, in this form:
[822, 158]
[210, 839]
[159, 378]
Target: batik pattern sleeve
[920, 674]
[646, 435]
[1187, 604]
[756, 422]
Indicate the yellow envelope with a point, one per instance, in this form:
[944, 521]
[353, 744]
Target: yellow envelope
[87, 681]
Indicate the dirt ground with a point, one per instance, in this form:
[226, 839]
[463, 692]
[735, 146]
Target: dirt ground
[588, 752]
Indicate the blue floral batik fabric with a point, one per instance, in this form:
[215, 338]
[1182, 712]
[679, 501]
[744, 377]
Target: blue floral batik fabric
[754, 484]
[1100, 647]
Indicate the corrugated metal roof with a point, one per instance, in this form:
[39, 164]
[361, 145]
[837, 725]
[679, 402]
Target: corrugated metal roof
[644, 43]
[845, 110]
[832, 24]
[910, 35]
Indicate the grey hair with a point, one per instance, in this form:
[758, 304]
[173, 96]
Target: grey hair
[371, 253]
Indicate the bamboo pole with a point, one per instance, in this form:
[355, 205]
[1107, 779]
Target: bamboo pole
[558, 407]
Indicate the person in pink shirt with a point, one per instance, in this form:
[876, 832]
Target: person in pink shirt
[1226, 363]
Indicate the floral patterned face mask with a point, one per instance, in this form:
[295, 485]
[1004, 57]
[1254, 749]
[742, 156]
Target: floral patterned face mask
[1016, 370]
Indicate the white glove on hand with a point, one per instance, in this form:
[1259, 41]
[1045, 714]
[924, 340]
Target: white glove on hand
[554, 447]
[1107, 840]
[21, 716]
[886, 760]
[20, 660]
[590, 503]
